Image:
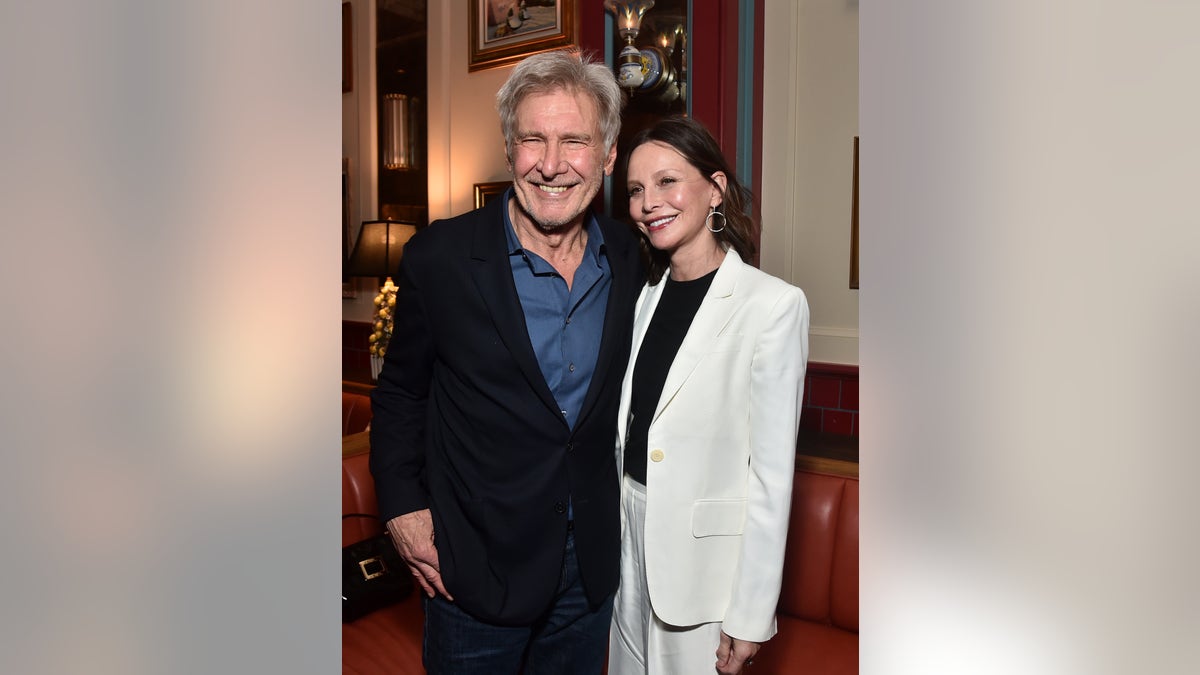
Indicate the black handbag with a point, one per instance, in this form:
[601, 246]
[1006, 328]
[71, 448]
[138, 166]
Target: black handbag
[373, 575]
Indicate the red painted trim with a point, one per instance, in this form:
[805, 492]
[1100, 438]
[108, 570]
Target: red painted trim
[730, 58]
[705, 71]
[591, 19]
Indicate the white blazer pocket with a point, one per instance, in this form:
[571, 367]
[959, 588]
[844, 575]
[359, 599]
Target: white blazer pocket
[718, 517]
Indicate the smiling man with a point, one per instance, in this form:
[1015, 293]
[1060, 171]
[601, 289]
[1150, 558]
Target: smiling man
[492, 441]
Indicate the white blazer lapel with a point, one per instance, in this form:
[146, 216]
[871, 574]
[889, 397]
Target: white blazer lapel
[712, 317]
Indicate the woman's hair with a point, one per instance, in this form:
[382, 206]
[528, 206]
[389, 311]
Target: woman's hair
[692, 140]
[567, 70]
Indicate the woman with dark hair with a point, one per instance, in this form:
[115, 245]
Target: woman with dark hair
[710, 407]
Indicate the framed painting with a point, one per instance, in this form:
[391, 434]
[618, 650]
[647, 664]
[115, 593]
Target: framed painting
[484, 192]
[506, 31]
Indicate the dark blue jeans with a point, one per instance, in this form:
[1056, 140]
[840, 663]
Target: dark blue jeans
[569, 638]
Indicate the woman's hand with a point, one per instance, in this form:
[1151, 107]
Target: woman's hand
[733, 654]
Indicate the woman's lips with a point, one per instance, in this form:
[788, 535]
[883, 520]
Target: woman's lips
[659, 223]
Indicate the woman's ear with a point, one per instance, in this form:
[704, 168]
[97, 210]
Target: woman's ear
[718, 196]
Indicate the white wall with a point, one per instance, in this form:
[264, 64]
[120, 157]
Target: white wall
[359, 113]
[465, 146]
[810, 118]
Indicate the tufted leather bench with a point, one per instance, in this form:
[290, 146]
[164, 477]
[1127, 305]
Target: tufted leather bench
[818, 605]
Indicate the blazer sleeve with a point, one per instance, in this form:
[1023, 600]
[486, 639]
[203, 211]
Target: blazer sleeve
[776, 388]
[400, 399]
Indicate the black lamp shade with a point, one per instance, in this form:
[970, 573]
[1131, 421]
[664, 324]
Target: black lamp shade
[379, 248]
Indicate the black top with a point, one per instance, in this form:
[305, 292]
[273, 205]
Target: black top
[672, 317]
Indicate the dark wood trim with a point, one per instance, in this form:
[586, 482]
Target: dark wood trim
[839, 369]
[830, 466]
[353, 387]
[356, 444]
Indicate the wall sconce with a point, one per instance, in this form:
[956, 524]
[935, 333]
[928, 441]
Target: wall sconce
[629, 13]
[400, 127]
[648, 69]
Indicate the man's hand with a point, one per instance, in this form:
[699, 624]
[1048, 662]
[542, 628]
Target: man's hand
[733, 654]
[413, 535]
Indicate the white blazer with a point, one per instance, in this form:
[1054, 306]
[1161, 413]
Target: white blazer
[721, 451]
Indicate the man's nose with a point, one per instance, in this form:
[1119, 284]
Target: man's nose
[553, 162]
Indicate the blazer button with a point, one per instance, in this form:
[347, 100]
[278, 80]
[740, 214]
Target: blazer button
[657, 456]
[560, 507]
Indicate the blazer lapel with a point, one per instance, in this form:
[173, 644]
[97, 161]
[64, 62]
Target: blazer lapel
[714, 313]
[492, 274]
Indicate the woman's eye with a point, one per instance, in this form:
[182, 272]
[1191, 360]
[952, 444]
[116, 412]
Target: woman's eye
[635, 191]
[666, 180]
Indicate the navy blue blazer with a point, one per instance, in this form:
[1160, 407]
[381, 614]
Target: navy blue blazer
[464, 424]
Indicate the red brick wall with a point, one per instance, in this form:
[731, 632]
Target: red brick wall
[831, 399]
[356, 360]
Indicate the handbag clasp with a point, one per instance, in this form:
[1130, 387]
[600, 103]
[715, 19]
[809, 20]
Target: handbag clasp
[372, 567]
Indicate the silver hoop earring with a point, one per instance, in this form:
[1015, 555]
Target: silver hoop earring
[708, 223]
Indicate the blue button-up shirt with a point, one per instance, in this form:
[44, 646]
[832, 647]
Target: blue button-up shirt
[564, 324]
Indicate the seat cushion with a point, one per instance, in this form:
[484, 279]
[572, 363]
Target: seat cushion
[358, 496]
[806, 647]
[811, 543]
[356, 412]
[843, 596]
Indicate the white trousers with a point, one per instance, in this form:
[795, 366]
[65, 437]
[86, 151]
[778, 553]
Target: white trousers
[639, 643]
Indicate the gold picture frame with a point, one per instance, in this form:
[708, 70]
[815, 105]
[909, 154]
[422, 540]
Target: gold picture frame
[347, 48]
[854, 221]
[484, 192]
[506, 31]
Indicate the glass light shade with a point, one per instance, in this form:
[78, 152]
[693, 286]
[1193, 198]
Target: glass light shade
[668, 39]
[629, 15]
[397, 132]
[379, 248]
